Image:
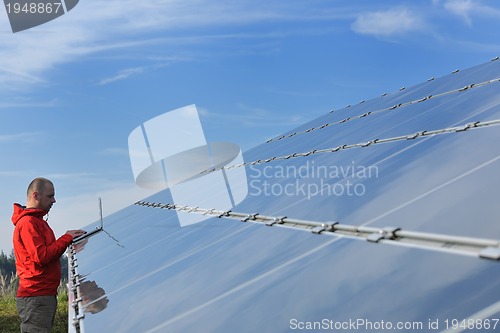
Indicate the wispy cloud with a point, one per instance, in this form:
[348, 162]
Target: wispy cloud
[251, 116]
[71, 176]
[118, 24]
[122, 75]
[11, 174]
[20, 137]
[159, 62]
[461, 8]
[492, 48]
[22, 103]
[115, 151]
[392, 22]
[468, 8]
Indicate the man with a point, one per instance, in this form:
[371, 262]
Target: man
[37, 258]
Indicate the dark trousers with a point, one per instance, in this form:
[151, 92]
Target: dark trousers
[37, 313]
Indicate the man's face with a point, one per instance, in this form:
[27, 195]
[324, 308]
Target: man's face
[46, 198]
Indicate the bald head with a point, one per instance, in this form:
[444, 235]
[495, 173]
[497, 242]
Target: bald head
[40, 194]
[38, 185]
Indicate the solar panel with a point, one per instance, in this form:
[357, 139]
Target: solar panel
[315, 245]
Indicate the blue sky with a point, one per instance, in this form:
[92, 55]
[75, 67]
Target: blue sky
[72, 90]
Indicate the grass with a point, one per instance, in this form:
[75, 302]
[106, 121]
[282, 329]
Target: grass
[9, 320]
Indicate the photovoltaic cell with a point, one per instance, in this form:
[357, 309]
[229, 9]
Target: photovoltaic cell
[147, 274]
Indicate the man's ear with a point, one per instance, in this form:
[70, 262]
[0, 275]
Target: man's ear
[35, 195]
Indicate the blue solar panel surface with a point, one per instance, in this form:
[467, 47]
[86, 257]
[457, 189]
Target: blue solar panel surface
[147, 274]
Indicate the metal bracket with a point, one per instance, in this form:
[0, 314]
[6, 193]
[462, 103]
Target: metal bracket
[386, 233]
[208, 211]
[366, 144]
[249, 217]
[490, 253]
[192, 209]
[467, 87]
[276, 220]
[76, 301]
[224, 214]
[467, 126]
[78, 318]
[324, 227]
[416, 135]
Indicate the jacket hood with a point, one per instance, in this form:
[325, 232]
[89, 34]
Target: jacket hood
[21, 211]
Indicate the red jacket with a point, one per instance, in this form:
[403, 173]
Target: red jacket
[37, 253]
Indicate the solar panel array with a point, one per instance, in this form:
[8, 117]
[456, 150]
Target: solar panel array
[423, 160]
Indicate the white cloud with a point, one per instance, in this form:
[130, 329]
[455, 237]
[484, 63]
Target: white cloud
[254, 117]
[24, 103]
[468, 8]
[392, 22]
[461, 8]
[100, 25]
[16, 173]
[117, 151]
[122, 75]
[20, 137]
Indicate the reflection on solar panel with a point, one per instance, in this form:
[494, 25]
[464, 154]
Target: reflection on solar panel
[325, 204]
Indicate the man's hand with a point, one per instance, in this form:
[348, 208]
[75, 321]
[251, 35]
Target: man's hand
[76, 233]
